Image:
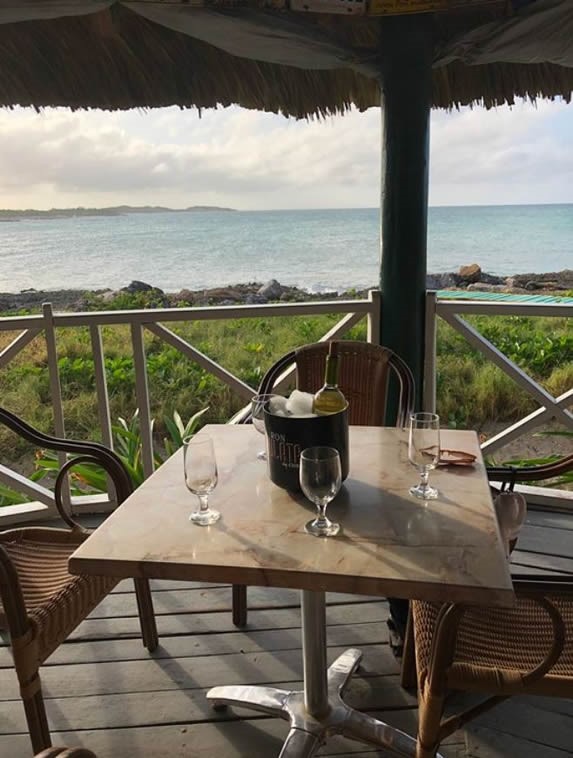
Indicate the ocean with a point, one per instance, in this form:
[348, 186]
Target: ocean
[318, 250]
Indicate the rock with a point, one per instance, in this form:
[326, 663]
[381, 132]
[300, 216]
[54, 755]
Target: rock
[255, 299]
[533, 285]
[272, 290]
[137, 286]
[183, 297]
[491, 279]
[470, 273]
[440, 281]
[560, 280]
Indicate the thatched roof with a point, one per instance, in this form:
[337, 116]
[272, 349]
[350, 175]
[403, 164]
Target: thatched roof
[272, 55]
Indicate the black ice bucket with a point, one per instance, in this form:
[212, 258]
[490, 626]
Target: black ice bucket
[288, 436]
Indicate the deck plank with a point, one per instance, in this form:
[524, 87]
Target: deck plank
[364, 633]
[152, 675]
[525, 721]
[184, 706]
[246, 738]
[488, 743]
[546, 541]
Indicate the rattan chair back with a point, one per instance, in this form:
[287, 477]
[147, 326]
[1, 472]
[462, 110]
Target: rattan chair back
[365, 373]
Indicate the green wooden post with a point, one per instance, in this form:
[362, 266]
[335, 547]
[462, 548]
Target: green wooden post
[406, 48]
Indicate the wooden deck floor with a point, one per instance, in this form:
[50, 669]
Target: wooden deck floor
[104, 691]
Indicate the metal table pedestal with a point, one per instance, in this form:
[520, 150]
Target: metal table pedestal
[318, 711]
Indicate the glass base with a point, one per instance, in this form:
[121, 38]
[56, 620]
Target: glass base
[424, 493]
[321, 528]
[204, 518]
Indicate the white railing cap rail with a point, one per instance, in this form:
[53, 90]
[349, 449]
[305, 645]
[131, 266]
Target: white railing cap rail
[204, 313]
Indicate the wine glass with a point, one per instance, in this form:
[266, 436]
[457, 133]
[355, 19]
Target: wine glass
[200, 468]
[320, 478]
[424, 451]
[258, 405]
[511, 510]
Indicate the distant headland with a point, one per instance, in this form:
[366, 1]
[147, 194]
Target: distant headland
[115, 210]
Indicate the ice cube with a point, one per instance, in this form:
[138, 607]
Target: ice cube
[300, 404]
[278, 406]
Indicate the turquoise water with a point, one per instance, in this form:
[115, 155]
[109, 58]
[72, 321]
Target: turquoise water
[315, 249]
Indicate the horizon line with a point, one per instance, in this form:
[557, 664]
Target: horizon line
[208, 207]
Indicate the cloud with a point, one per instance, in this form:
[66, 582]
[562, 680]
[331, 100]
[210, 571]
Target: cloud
[508, 146]
[254, 160]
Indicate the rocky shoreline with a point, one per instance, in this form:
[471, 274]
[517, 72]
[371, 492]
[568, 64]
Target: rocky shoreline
[467, 278]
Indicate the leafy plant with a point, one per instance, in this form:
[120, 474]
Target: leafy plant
[11, 497]
[128, 444]
[178, 431]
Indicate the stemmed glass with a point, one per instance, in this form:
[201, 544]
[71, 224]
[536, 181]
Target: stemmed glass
[424, 451]
[320, 478]
[258, 405]
[200, 468]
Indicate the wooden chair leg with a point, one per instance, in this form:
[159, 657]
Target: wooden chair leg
[239, 605]
[146, 614]
[430, 712]
[36, 714]
[408, 674]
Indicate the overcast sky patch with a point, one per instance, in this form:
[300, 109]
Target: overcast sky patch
[250, 160]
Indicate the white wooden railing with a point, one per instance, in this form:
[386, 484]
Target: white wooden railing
[139, 321]
[352, 311]
[549, 407]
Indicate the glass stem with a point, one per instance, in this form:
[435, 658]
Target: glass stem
[322, 520]
[424, 476]
[203, 503]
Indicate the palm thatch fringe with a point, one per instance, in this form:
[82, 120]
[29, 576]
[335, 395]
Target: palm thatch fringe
[121, 60]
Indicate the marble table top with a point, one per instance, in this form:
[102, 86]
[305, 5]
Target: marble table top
[391, 543]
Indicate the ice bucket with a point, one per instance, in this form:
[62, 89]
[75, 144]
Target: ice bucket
[288, 436]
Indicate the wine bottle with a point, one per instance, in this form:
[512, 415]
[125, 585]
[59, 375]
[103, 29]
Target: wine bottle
[329, 398]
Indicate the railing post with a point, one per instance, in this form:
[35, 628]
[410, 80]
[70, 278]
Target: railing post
[429, 388]
[101, 386]
[55, 388]
[142, 394]
[373, 318]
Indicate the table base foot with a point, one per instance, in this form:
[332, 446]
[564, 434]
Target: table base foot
[300, 744]
[309, 732]
[264, 699]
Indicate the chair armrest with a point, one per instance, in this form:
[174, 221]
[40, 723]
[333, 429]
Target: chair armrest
[94, 451]
[537, 473]
[12, 597]
[121, 490]
[450, 616]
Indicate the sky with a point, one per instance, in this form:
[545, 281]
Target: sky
[257, 161]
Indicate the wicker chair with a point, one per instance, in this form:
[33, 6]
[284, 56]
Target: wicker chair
[365, 371]
[40, 602]
[525, 650]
